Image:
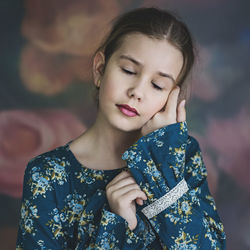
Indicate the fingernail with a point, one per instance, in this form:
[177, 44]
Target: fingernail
[183, 103]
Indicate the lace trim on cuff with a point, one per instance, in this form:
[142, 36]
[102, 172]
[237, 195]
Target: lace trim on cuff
[165, 201]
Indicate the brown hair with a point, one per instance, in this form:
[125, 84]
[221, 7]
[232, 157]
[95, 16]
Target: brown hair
[156, 24]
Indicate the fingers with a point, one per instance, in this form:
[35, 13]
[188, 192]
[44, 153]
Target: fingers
[171, 105]
[139, 201]
[124, 184]
[128, 194]
[122, 175]
[181, 112]
[130, 188]
[133, 194]
[173, 110]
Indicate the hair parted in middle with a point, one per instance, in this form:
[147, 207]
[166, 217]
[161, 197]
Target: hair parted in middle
[156, 24]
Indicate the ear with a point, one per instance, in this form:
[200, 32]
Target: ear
[98, 67]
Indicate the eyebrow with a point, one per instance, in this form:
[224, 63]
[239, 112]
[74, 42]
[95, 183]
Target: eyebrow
[138, 63]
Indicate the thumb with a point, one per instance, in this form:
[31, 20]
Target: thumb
[181, 111]
[136, 195]
[139, 201]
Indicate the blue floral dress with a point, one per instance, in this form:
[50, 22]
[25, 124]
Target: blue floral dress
[64, 205]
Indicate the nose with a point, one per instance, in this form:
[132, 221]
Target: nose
[136, 91]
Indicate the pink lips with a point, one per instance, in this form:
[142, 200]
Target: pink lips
[127, 110]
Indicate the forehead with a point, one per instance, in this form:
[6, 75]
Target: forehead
[152, 53]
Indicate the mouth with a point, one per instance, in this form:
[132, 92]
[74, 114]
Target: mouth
[127, 110]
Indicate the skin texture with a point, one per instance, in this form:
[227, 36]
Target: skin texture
[123, 191]
[137, 89]
[157, 108]
[126, 82]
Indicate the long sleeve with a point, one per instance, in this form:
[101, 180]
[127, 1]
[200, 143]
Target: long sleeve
[168, 167]
[40, 225]
[108, 230]
[113, 233]
[55, 217]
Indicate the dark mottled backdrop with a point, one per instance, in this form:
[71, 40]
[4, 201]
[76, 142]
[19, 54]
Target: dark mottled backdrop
[46, 93]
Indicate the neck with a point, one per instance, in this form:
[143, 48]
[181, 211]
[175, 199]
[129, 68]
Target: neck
[110, 139]
[106, 142]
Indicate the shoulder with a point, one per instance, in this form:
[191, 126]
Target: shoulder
[56, 158]
[47, 171]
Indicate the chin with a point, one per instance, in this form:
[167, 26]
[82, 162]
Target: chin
[125, 128]
[123, 123]
[126, 125]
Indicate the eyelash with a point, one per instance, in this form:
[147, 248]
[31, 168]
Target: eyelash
[132, 73]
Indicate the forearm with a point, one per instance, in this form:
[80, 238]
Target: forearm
[160, 162]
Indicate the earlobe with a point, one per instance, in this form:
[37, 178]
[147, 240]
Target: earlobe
[98, 67]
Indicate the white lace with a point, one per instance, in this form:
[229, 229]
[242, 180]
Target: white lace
[167, 200]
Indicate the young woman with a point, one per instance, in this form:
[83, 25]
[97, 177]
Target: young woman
[135, 179]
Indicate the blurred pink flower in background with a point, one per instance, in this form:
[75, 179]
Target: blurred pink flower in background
[26, 134]
[48, 74]
[73, 27]
[61, 39]
[226, 146]
[230, 139]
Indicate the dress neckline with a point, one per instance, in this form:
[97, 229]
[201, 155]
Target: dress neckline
[87, 168]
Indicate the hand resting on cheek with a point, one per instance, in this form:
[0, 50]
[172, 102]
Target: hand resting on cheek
[169, 114]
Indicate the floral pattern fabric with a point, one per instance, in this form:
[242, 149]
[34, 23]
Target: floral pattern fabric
[64, 205]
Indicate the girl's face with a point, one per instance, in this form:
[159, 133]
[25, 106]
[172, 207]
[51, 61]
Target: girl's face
[141, 74]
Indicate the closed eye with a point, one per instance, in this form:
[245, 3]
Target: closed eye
[128, 72]
[133, 73]
[156, 86]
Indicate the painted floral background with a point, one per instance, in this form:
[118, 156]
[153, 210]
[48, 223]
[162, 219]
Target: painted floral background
[46, 93]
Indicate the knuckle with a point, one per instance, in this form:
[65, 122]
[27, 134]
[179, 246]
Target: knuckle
[109, 190]
[133, 187]
[136, 186]
[131, 179]
[108, 187]
[113, 195]
[134, 192]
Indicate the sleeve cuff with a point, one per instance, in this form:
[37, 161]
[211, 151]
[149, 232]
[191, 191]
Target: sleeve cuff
[157, 160]
[140, 237]
[165, 201]
[176, 133]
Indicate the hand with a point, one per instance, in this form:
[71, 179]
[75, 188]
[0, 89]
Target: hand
[121, 193]
[169, 114]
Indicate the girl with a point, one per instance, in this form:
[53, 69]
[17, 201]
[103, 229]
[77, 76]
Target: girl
[135, 179]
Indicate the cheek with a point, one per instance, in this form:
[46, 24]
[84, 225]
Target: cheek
[158, 103]
[155, 106]
[109, 93]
